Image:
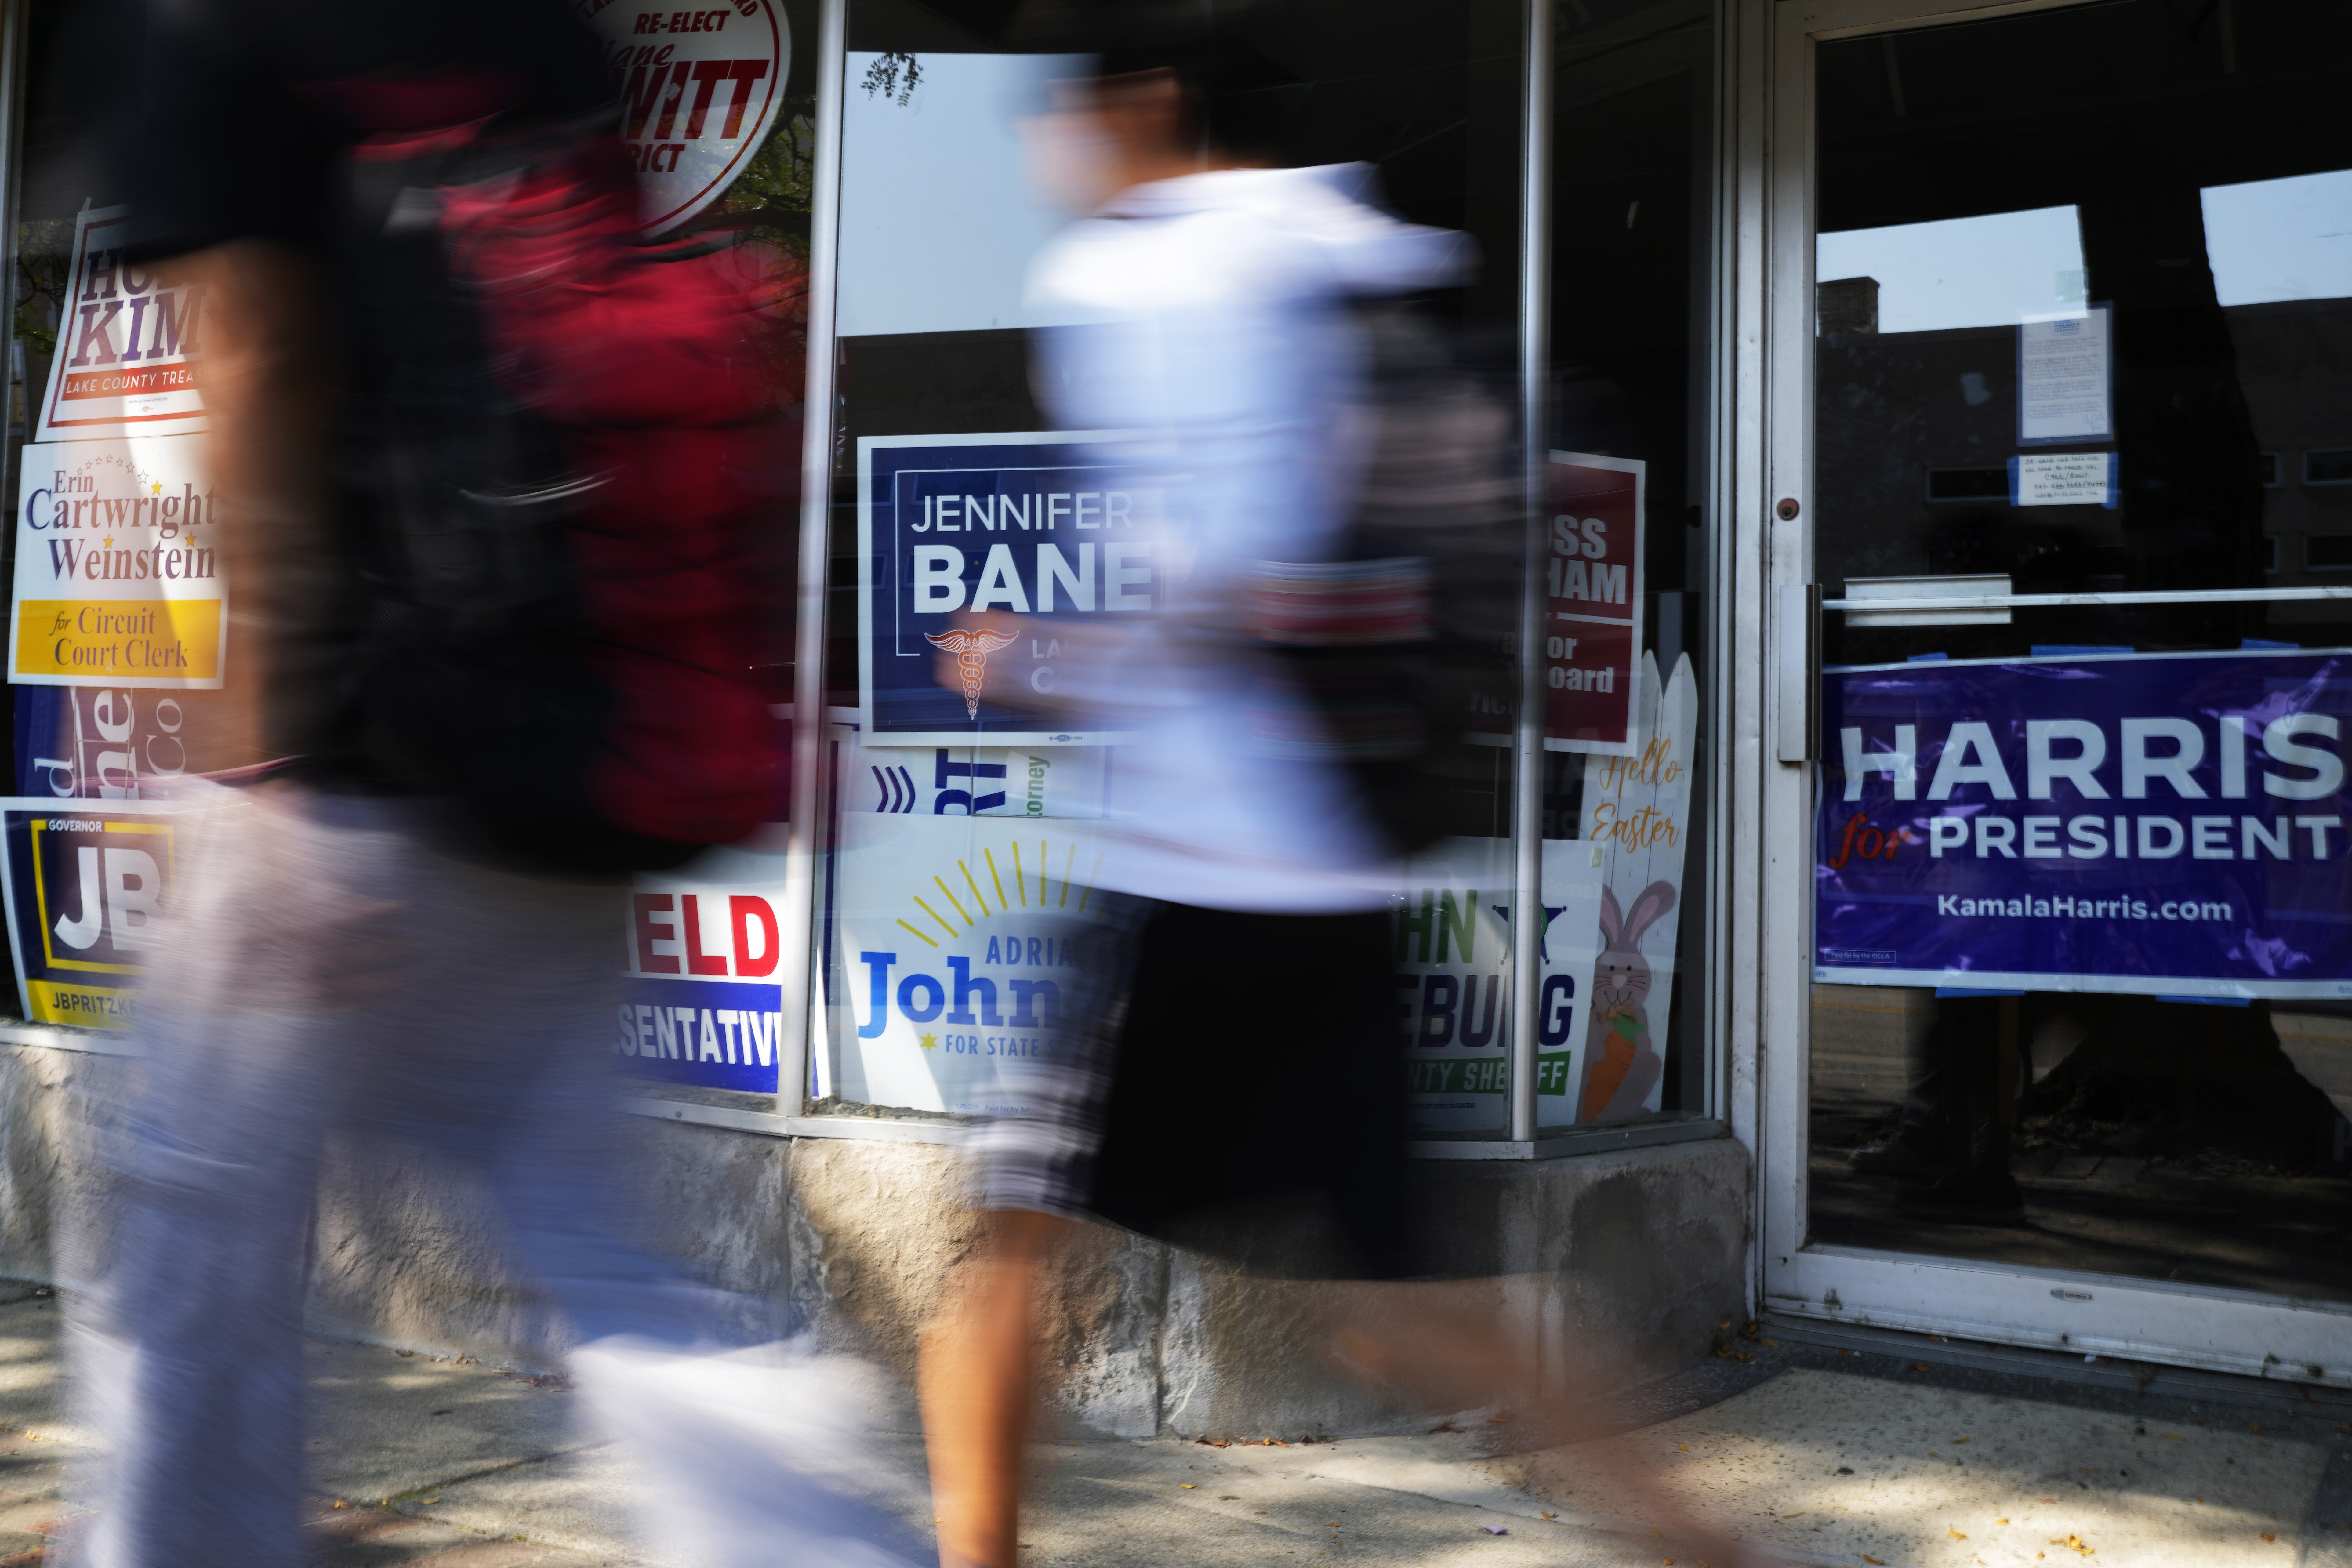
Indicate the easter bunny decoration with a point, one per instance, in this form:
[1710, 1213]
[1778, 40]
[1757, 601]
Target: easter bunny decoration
[1620, 1064]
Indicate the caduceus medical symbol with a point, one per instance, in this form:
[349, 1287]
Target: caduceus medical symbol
[972, 649]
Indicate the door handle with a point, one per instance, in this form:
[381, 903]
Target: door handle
[1797, 669]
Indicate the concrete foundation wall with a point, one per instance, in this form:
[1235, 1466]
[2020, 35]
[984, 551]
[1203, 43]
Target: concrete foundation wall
[1614, 1267]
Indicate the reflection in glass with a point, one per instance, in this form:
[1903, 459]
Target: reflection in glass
[2024, 1046]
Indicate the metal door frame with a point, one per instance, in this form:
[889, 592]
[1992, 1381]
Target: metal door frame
[1771, 214]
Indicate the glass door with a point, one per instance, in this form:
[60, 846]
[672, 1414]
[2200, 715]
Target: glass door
[2061, 414]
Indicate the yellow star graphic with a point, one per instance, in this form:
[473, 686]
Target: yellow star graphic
[930, 1042]
[155, 489]
[109, 543]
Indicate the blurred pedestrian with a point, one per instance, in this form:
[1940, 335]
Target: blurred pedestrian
[1235, 326]
[489, 466]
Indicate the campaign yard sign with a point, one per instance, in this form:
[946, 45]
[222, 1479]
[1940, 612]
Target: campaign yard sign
[1452, 914]
[955, 950]
[118, 577]
[974, 781]
[699, 87]
[953, 528]
[1592, 598]
[84, 888]
[700, 1001]
[98, 743]
[1592, 603]
[2162, 824]
[130, 349]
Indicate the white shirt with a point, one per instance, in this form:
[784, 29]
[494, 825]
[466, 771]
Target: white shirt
[1220, 336]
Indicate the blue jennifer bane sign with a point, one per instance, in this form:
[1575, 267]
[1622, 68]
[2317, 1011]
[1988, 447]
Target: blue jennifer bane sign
[956, 532]
[2166, 823]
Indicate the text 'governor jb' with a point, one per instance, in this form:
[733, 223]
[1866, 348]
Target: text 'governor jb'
[2117, 821]
[959, 535]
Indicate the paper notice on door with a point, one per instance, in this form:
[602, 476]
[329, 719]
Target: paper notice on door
[2065, 478]
[2064, 391]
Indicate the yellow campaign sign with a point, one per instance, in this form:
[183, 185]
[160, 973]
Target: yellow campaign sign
[100, 639]
[87, 1006]
[119, 580]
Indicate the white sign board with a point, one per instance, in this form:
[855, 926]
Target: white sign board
[1637, 816]
[2064, 377]
[954, 945]
[129, 351]
[975, 781]
[699, 89]
[2065, 478]
[119, 571]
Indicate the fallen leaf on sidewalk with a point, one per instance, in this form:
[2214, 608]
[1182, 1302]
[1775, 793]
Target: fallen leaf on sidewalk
[1874, 1563]
[1683, 1446]
[1954, 1533]
[1188, 1486]
[2076, 1542]
[1549, 1515]
[2270, 1535]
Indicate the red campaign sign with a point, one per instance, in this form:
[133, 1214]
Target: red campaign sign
[1592, 603]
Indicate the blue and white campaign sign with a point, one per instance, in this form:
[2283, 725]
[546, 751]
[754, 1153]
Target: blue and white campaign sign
[701, 1002]
[975, 781]
[954, 945]
[956, 532]
[84, 886]
[2164, 824]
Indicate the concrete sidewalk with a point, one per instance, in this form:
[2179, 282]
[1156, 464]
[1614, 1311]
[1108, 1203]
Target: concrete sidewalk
[1830, 1455]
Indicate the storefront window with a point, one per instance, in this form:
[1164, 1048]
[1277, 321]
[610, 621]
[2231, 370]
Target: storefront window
[958, 866]
[2081, 964]
[1627, 593]
[81, 430]
[106, 417]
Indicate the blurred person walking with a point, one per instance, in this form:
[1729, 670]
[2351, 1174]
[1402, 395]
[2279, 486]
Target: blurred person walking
[1236, 326]
[490, 470]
